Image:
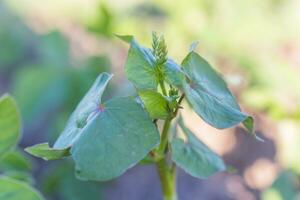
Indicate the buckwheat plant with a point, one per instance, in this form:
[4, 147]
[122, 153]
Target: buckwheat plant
[106, 138]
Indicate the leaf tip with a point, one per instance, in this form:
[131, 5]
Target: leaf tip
[125, 38]
[193, 46]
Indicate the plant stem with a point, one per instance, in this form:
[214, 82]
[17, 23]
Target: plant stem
[163, 89]
[166, 127]
[168, 180]
[164, 136]
[167, 174]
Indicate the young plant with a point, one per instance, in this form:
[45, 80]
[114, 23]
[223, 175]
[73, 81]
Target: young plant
[105, 138]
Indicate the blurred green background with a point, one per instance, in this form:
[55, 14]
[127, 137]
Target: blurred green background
[52, 50]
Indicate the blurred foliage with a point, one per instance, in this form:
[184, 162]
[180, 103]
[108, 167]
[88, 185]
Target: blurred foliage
[256, 43]
[69, 187]
[15, 39]
[103, 22]
[286, 186]
[18, 166]
[47, 83]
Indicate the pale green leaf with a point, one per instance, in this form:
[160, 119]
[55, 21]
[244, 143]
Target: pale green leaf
[155, 104]
[140, 65]
[11, 189]
[105, 138]
[47, 153]
[85, 110]
[15, 160]
[193, 46]
[194, 157]
[209, 96]
[20, 176]
[10, 125]
[125, 38]
[116, 139]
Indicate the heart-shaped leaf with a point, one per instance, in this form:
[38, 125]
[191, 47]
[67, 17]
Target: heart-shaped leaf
[85, 110]
[11, 189]
[106, 138]
[117, 138]
[194, 157]
[10, 125]
[209, 96]
[155, 104]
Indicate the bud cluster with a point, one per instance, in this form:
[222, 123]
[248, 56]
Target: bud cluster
[159, 48]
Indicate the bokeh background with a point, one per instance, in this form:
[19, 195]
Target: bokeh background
[52, 50]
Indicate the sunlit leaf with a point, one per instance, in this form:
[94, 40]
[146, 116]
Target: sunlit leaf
[155, 104]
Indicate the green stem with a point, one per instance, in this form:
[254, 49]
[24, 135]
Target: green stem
[166, 127]
[164, 136]
[167, 177]
[167, 174]
[163, 89]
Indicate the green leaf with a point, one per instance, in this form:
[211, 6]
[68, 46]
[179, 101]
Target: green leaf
[125, 38]
[193, 46]
[116, 139]
[155, 104]
[15, 160]
[83, 113]
[209, 96]
[173, 73]
[105, 138]
[10, 125]
[20, 175]
[47, 153]
[194, 157]
[11, 189]
[18, 166]
[140, 65]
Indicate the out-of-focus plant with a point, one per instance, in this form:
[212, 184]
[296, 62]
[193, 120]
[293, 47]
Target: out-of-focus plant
[105, 138]
[69, 187]
[287, 184]
[13, 166]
